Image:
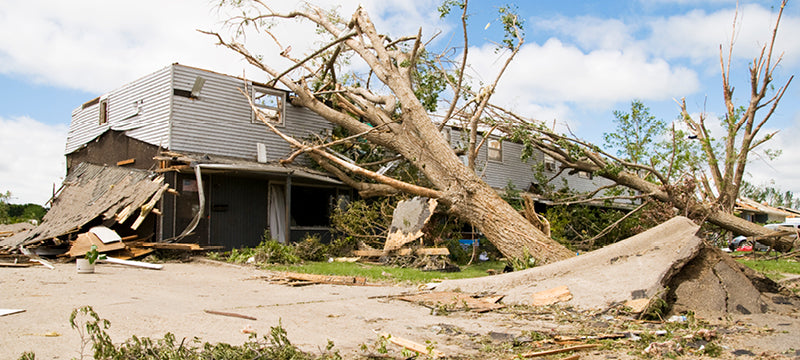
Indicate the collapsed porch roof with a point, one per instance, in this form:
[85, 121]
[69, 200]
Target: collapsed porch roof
[91, 191]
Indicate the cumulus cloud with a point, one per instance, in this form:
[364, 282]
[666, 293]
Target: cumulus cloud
[31, 159]
[783, 171]
[68, 44]
[697, 35]
[555, 72]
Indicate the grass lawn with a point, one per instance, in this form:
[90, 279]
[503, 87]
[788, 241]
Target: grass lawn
[388, 273]
[771, 268]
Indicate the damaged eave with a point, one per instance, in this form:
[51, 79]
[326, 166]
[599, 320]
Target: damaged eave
[186, 163]
[113, 194]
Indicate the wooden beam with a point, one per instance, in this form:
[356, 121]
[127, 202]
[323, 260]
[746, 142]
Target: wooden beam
[125, 162]
[413, 346]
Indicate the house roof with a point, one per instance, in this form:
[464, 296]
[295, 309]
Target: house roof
[89, 192]
[750, 205]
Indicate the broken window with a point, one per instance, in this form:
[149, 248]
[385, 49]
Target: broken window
[550, 164]
[270, 104]
[103, 111]
[495, 150]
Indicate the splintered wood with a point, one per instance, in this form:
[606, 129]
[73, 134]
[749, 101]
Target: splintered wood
[551, 296]
[300, 279]
[452, 301]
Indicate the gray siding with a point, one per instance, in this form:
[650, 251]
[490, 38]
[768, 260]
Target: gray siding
[519, 172]
[219, 121]
[141, 108]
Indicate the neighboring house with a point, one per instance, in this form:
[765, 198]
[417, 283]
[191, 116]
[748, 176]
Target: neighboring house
[756, 212]
[198, 129]
[500, 164]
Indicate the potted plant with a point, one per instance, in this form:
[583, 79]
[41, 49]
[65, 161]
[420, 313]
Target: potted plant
[86, 265]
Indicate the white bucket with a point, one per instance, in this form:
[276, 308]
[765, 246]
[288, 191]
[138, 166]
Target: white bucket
[84, 267]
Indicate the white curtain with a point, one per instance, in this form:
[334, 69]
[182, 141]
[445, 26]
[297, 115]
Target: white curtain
[277, 212]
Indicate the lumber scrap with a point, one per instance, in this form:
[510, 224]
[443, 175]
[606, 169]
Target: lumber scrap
[230, 314]
[413, 346]
[148, 207]
[402, 252]
[455, 301]
[551, 296]
[126, 162]
[326, 279]
[559, 351]
[172, 246]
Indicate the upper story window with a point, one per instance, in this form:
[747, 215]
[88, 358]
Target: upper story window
[584, 174]
[550, 164]
[495, 150]
[270, 104]
[103, 111]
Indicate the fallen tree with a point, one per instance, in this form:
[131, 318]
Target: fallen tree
[390, 114]
[692, 192]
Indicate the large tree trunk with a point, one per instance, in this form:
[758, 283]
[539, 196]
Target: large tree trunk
[511, 233]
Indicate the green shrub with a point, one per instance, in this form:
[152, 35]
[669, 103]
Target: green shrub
[311, 249]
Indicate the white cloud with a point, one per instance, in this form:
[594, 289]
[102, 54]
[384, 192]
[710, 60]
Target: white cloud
[97, 46]
[31, 159]
[560, 73]
[784, 171]
[697, 35]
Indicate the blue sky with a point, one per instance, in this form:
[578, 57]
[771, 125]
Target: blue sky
[582, 60]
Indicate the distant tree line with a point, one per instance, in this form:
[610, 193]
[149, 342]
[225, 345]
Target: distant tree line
[15, 213]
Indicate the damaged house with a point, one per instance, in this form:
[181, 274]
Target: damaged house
[194, 131]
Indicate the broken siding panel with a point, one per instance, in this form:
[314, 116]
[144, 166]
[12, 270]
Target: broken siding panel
[219, 121]
[139, 108]
[84, 127]
[151, 95]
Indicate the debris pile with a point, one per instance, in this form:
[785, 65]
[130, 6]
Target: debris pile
[92, 201]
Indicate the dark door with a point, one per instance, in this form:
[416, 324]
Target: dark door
[238, 211]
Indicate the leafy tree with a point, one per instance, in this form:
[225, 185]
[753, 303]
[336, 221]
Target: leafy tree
[636, 134]
[773, 196]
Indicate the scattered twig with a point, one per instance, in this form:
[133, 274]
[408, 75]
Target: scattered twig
[230, 314]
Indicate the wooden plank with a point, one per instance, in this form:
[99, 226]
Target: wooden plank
[326, 279]
[18, 265]
[146, 208]
[368, 253]
[126, 162]
[172, 246]
[559, 351]
[413, 346]
[551, 296]
[433, 251]
[223, 313]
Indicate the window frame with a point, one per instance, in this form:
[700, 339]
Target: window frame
[498, 150]
[548, 160]
[280, 108]
[103, 111]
